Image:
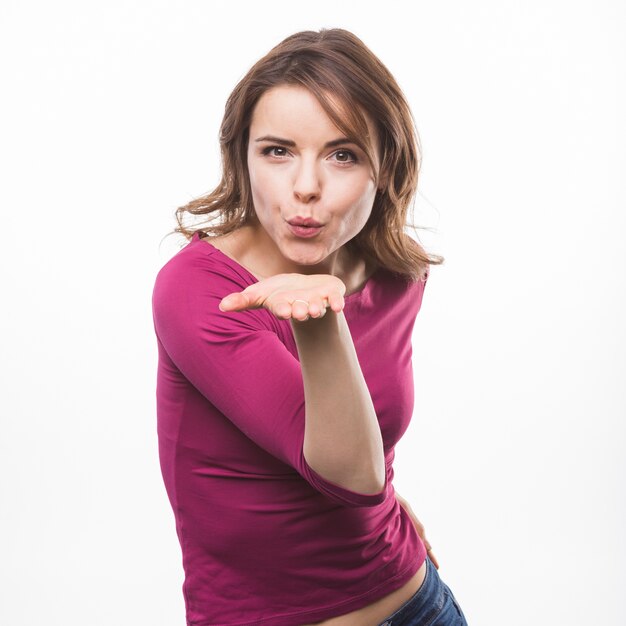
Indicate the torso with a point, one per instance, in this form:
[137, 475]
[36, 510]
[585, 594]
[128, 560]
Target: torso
[377, 611]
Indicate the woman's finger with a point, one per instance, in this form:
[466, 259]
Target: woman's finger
[318, 308]
[300, 310]
[433, 558]
[419, 527]
[234, 302]
[335, 301]
[422, 533]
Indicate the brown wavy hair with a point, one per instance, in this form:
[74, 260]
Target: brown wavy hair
[348, 80]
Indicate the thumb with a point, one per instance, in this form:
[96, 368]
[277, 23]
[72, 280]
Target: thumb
[234, 302]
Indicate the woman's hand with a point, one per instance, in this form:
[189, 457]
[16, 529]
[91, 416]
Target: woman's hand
[296, 296]
[419, 527]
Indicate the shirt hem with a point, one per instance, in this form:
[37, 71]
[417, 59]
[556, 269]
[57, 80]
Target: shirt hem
[327, 612]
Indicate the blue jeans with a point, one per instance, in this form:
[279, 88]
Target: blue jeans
[433, 604]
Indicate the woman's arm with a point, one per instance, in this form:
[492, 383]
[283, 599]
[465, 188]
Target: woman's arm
[237, 361]
[342, 438]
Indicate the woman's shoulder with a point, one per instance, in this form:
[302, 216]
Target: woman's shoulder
[202, 263]
[398, 291]
[190, 285]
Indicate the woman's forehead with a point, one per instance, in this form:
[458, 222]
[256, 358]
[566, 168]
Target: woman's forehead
[291, 108]
[291, 111]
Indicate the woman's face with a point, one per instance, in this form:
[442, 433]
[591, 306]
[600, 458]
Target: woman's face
[301, 166]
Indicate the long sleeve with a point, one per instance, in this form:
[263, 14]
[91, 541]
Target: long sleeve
[239, 364]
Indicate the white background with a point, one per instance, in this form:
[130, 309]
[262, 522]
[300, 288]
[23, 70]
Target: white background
[514, 460]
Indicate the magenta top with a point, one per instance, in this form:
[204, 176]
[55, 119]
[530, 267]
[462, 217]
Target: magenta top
[265, 539]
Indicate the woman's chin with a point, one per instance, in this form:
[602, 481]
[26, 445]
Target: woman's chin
[305, 253]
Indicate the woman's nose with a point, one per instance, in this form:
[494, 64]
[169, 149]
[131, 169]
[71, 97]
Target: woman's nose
[307, 182]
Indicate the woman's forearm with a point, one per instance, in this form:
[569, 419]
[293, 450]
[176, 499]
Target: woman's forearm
[342, 440]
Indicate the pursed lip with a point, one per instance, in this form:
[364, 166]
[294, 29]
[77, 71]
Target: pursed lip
[305, 232]
[304, 221]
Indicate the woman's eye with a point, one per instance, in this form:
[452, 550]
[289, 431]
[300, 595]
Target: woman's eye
[269, 149]
[345, 156]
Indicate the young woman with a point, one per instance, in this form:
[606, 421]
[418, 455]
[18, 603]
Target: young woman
[284, 333]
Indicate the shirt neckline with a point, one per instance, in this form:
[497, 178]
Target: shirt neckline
[354, 296]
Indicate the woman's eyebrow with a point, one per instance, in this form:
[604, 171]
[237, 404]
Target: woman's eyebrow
[291, 144]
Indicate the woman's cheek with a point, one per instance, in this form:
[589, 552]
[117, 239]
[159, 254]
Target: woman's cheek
[274, 182]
